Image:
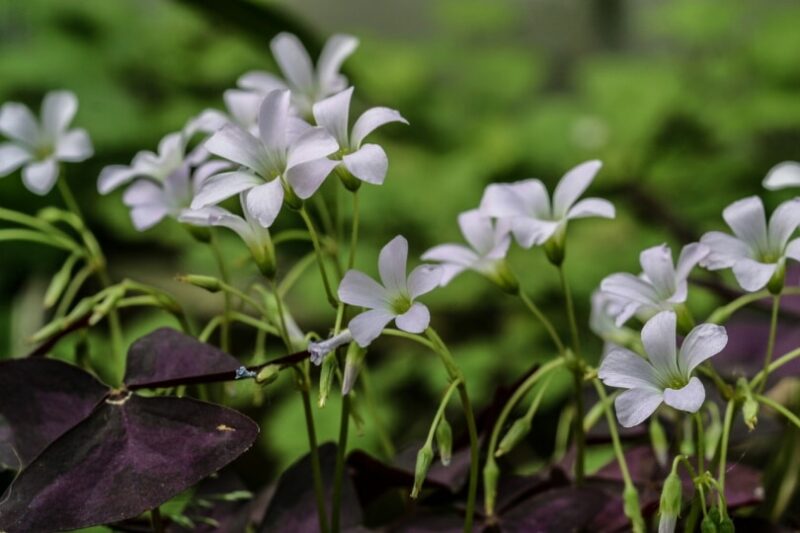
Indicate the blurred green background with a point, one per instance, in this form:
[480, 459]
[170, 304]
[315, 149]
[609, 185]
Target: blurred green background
[688, 103]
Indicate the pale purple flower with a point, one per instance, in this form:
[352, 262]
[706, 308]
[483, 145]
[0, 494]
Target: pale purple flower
[603, 320]
[488, 244]
[783, 175]
[307, 83]
[367, 162]
[666, 374]
[533, 217]
[287, 153]
[37, 146]
[756, 251]
[393, 298]
[661, 286]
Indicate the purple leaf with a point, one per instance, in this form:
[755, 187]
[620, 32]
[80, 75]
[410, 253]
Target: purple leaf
[210, 512]
[130, 455]
[167, 356]
[40, 399]
[566, 509]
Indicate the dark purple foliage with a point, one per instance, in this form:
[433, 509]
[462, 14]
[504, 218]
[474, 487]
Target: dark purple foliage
[565, 509]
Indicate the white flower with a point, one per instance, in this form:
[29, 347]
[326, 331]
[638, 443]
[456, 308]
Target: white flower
[40, 146]
[603, 320]
[308, 84]
[254, 235]
[660, 287]
[368, 162]
[534, 219]
[759, 250]
[665, 376]
[782, 175]
[318, 350]
[393, 298]
[286, 153]
[488, 245]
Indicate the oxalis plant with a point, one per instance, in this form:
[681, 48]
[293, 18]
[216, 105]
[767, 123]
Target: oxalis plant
[89, 453]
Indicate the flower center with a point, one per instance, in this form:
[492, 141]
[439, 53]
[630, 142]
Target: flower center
[400, 304]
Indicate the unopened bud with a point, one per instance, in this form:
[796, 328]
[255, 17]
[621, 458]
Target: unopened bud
[491, 474]
[632, 508]
[318, 350]
[726, 525]
[750, 412]
[671, 496]
[268, 374]
[209, 283]
[518, 431]
[108, 303]
[352, 365]
[711, 522]
[329, 365]
[424, 460]
[554, 248]
[713, 435]
[444, 441]
[658, 440]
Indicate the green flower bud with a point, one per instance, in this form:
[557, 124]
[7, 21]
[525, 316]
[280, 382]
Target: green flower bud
[726, 525]
[209, 283]
[713, 435]
[444, 441]
[750, 412]
[329, 365]
[264, 258]
[632, 508]
[708, 525]
[352, 365]
[554, 247]
[671, 496]
[658, 439]
[268, 374]
[491, 474]
[518, 431]
[59, 282]
[108, 303]
[424, 460]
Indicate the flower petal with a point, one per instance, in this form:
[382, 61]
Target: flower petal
[58, 110]
[793, 249]
[392, 265]
[370, 120]
[356, 288]
[659, 340]
[524, 198]
[261, 82]
[222, 186]
[293, 60]
[74, 146]
[691, 255]
[12, 157]
[572, 185]
[782, 175]
[723, 250]
[631, 288]
[752, 275]
[243, 106]
[783, 223]
[148, 215]
[143, 192]
[592, 207]
[704, 341]
[456, 254]
[369, 164]
[478, 230]
[423, 279]
[530, 231]
[40, 176]
[264, 202]
[623, 368]
[368, 326]
[449, 271]
[415, 320]
[690, 398]
[658, 267]
[336, 50]
[313, 143]
[237, 145]
[332, 114]
[747, 220]
[307, 177]
[18, 123]
[273, 122]
[635, 405]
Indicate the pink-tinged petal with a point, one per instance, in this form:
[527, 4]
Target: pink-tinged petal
[58, 110]
[332, 114]
[312, 143]
[423, 279]
[273, 121]
[723, 250]
[526, 198]
[18, 123]
[360, 290]
[636, 405]
[237, 145]
[143, 192]
[293, 60]
[39, 177]
[631, 288]
[623, 368]
[261, 82]
[691, 255]
[336, 50]
[752, 275]
[370, 120]
[478, 230]
[263, 203]
[369, 164]
[530, 231]
[592, 207]
[368, 326]
[657, 265]
[456, 254]
[782, 175]
[223, 186]
[146, 216]
[200, 217]
[114, 176]
[660, 344]
[573, 185]
[74, 146]
[392, 265]
[783, 223]
[747, 220]
[704, 341]
[307, 177]
[12, 157]
[415, 320]
[690, 398]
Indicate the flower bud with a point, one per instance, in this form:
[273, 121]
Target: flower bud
[554, 248]
[518, 431]
[632, 508]
[264, 257]
[490, 476]
[268, 374]
[444, 441]
[424, 460]
[750, 412]
[671, 502]
[502, 275]
[329, 365]
[726, 525]
[352, 365]
[108, 303]
[713, 434]
[209, 283]
[658, 439]
[318, 350]
[711, 522]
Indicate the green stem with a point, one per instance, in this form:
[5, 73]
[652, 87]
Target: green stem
[440, 411]
[155, 521]
[790, 356]
[573, 324]
[113, 316]
[320, 257]
[700, 451]
[544, 320]
[790, 416]
[344, 424]
[316, 469]
[354, 233]
[723, 445]
[225, 326]
[66, 194]
[773, 328]
[410, 336]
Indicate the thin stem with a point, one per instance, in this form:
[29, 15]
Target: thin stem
[281, 318]
[573, 324]
[316, 469]
[722, 314]
[156, 521]
[723, 445]
[700, 449]
[338, 477]
[790, 356]
[320, 257]
[544, 320]
[354, 233]
[294, 273]
[440, 410]
[773, 328]
[66, 194]
[410, 336]
[790, 416]
[113, 316]
[225, 326]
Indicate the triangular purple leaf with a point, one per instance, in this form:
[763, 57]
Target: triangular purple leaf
[130, 455]
[167, 355]
[565, 509]
[40, 399]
